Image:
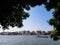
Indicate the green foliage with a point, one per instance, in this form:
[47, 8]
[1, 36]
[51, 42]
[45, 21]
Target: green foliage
[54, 32]
[54, 35]
[12, 11]
[55, 21]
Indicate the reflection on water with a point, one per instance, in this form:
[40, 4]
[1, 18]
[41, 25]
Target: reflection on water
[26, 40]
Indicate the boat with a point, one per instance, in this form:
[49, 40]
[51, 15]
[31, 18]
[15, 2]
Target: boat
[42, 36]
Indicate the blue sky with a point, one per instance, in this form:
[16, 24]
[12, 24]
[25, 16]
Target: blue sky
[37, 20]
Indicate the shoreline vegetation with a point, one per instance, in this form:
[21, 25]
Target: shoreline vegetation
[26, 33]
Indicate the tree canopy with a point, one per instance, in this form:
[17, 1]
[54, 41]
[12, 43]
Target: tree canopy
[55, 21]
[12, 12]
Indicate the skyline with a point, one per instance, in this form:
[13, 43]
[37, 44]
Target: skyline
[37, 20]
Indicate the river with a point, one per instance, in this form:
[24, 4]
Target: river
[26, 40]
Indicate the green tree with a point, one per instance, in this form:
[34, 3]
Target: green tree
[55, 21]
[12, 11]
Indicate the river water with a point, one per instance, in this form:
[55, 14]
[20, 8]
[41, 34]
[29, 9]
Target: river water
[26, 40]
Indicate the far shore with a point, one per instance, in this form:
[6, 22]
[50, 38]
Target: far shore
[26, 33]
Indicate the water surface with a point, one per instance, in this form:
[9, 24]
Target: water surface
[26, 40]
